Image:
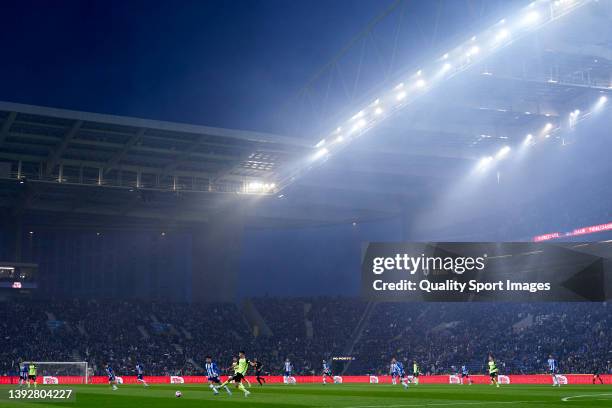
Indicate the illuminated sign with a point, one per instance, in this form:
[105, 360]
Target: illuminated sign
[579, 231]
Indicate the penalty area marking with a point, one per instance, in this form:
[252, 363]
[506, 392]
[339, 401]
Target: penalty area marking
[568, 399]
[446, 404]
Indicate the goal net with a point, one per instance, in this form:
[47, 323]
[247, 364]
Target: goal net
[48, 372]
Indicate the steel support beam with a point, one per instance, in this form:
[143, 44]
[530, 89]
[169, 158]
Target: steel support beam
[113, 161]
[56, 154]
[6, 126]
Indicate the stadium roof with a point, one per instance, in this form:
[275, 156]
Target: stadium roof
[79, 164]
[83, 162]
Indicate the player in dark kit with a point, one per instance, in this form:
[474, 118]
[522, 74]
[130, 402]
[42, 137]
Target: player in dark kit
[258, 371]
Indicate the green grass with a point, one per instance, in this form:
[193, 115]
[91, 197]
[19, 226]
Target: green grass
[334, 396]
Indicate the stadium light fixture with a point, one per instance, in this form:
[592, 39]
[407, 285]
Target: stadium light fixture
[358, 115]
[258, 187]
[549, 130]
[503, 152]
[600, 102]
[255, 185]
[502, 35]
[531, 18]
[339, 139]
[321, 143]
[484, 162]
[320, 153]
[378, 111]
[359, 125]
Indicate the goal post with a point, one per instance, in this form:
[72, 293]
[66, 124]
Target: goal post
[50, 370]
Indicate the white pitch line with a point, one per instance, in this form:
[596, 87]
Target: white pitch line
[446, 404]
[567, 399]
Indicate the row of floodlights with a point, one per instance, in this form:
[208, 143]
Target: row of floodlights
[544, 133]
[452, 61]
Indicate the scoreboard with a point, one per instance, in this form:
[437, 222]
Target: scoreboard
[18, 276]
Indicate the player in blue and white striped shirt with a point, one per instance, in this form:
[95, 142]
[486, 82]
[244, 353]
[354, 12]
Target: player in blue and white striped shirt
[23, 374]
[112, 380]
[402, 374]
[394, 371]
[212, 373]
[288, 368]
[465, 373]
[326, 371]
[397, 371]
[552, 369]
[140, 374]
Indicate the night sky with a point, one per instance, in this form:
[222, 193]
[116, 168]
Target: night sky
[227, 63]
[220, 63]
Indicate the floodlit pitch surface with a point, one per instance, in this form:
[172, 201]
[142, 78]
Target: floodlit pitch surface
[337, 396]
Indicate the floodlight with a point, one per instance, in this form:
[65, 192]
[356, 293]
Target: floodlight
[320, 153]
[502, 152]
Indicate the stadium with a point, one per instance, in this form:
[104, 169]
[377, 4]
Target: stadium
[358, 204]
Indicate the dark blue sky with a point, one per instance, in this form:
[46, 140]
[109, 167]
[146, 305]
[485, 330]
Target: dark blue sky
[228, 63]
[221, 63]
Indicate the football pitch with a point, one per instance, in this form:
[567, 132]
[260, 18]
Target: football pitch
[333, 396]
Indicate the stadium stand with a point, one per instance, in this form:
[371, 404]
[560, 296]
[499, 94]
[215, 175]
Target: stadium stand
[174, 338]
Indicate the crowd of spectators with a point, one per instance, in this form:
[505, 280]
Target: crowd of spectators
[174, 338]
[444, 336]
